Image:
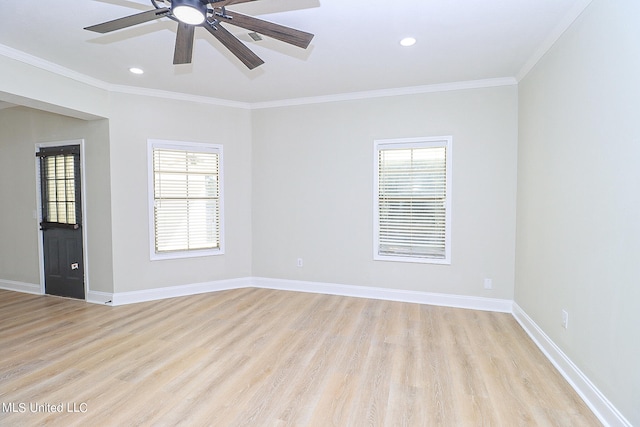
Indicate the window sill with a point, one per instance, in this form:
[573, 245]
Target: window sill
[416, 260]
[186, 254]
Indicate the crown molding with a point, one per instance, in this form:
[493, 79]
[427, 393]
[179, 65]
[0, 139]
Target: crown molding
[4, 105]
[132, 90]
[553, 37]
[45, 65]
[410, 90]
[177, 96]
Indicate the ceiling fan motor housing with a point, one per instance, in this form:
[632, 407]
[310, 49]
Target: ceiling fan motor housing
[192, 12]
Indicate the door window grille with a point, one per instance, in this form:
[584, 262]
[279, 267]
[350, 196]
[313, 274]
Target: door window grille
[59, 169]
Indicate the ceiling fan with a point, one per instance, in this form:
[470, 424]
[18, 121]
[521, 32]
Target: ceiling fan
[211, 15]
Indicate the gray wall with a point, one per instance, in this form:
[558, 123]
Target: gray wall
[20, 129]
[134, 120]
[313, 190]
[578, 236]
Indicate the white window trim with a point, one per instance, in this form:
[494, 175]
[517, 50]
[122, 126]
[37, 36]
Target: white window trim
[437, 141]
[182, 145]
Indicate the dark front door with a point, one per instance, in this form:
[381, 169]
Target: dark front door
[62, 221]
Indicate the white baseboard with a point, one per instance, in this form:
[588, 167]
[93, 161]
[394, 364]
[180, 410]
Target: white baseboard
[97, 297]
[122, 298]
[29, 288]
[597, 402]
[446, 300]
[475, 303]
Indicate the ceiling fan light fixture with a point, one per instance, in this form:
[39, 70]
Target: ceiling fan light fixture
[189, 14]
[192, 12]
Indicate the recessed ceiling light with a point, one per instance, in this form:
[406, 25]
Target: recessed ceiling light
[408, 41]
[136, 70]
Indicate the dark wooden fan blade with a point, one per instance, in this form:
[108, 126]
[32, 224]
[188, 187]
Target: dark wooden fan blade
[269, 29]
[184, 44]
[129, 21]
[235, 46]
[220, 3]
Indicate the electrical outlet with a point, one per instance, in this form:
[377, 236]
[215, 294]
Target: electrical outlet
[300, 263]
[488, 284]
[565, 319]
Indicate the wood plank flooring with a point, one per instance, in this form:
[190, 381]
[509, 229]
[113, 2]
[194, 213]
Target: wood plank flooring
[257, 357]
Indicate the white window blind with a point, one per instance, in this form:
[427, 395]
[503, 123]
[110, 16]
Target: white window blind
[412, 199]
[186, 198]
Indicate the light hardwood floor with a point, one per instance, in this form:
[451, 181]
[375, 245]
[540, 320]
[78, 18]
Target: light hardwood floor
[257, 357]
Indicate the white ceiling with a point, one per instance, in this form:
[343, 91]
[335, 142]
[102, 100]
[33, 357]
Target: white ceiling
[355, 49]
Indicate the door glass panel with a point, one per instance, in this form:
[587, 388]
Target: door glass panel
[60, 189]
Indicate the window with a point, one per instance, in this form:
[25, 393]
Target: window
[185, 203]
[59, 169]
[413, 200]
